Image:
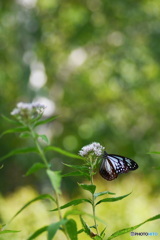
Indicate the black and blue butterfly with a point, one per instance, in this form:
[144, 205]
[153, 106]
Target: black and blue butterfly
[112, 165]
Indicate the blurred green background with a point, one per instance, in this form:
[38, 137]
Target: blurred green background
[95, 64]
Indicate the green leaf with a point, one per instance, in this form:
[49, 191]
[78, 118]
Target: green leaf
[90, 188]
[59, 150]
[55, 179]
[112, 199]
[102, 193]
[19, 151]
[38, 232]
[79, 212]
[44, 138]
[97, 238]
[40, 197]
[35, 167]
[52, 229]
[71, 228]
[86, 227]
[73, 203]
[25, 135]
[79, 167]
[50, 119]
[14, 130]
[8, 231]
[9, 119]
[154, 152]
[74, 212]
[81, 171]
[126, 230]
[75, 173]
[102, 234]
[80, 231]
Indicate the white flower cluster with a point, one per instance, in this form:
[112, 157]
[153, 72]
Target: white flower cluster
[28, 110]
[94, 148]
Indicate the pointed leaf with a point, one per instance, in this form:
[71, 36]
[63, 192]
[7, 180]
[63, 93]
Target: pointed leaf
[90, 188]
[55, 178]
[71, 228]
[25, 135]
[81, 171]
[52, 229]
[102, 193]
[126, 230]
[50, 119]
[154, 152]
[85, 226]
[38, 232]
[9, 119]
[102, 234]
[35, 167]
[63, 152]
[112, 199]
[44, 138]
[8, 231]
[80, 231]
[79, 167]
[40, 197]
[97, 238]
[19, 151]
[14, 130]
[76, 173]
[33, 121]
[73, 203]
[80, 213]
[87, 229]
[74, 212]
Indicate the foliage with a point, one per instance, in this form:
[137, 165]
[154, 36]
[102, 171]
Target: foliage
[96, 63]
[28, 116]
[108, 52]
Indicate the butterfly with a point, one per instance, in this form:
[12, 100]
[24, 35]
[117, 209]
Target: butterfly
[112, 165]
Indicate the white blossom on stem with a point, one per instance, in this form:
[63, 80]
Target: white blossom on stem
[28, 110]
[94, 148]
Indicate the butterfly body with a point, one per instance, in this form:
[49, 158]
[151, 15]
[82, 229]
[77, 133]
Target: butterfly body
[112, 165]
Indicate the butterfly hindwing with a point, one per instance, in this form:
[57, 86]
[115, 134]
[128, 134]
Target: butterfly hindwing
[112, 165]
[107, 170]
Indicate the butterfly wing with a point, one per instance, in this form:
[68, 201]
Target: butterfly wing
[112, 165]
[107, 170]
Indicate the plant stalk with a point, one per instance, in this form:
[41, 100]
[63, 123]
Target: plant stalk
[41, 153]
[93, 201]
[40, 150]
[58, 205]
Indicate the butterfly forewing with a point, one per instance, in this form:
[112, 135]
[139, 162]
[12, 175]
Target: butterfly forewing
[112, 165]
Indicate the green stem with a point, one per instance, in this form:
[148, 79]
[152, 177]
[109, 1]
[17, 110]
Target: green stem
[41, 153]
[40, 150]
[93, 201]
[58, 206]
[60, 215]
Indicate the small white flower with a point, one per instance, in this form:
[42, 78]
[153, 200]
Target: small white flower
[24, 106]
[28, 110]
[94, 148]
[15, 111]
[38, 105]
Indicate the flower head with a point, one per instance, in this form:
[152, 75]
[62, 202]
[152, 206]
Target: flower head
[93, 148]
[28, 111]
